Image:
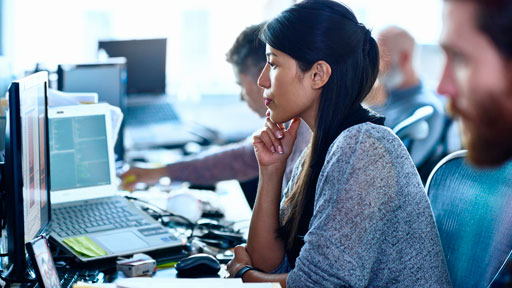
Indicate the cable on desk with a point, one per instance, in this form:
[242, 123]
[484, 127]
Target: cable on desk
[168, 214]
[159, 215]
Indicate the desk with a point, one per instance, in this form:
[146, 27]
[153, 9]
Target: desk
[231, 196]
[236, 209]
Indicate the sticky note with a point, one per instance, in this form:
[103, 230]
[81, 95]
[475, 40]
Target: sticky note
[85, 246]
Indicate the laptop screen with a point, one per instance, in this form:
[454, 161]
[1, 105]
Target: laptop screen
[78, 152]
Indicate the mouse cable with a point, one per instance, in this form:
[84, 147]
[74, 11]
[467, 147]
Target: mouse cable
[190, 225]
[166, 212]
[159, 216]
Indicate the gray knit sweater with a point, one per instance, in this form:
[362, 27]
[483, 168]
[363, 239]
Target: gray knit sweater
[372, 223]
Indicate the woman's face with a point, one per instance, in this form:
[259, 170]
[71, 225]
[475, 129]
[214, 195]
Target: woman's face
[287, 90]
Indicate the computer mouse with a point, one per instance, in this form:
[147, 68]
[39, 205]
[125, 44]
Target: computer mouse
[198, 265]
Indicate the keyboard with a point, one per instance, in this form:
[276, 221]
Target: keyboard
[150, 113]
[94, 217]
[69, 277]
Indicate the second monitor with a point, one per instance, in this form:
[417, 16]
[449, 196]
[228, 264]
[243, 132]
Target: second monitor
[146, 59]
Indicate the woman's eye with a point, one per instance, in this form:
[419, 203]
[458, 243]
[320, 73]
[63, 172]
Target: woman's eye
[271, 64]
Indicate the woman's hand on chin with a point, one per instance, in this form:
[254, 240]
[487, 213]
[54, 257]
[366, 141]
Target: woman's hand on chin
[273, 144]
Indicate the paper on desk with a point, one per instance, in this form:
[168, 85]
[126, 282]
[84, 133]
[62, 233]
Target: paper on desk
[187, 283]
[59, 98]
[117, 118]
[144, 282]
[94, 285]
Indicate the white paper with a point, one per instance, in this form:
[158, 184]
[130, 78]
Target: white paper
[59, 98]
[142, 282]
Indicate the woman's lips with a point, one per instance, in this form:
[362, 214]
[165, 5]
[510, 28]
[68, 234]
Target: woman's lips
[268, 101]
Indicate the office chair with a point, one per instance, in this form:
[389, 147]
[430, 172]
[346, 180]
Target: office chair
[473, 212]
[415, 127]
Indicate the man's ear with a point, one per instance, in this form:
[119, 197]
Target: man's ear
[321, 71]
[405, 59]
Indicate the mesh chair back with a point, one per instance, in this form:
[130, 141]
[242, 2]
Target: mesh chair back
[473, 212]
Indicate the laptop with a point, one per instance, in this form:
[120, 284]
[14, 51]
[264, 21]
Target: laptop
[89, 220]
[150, 117]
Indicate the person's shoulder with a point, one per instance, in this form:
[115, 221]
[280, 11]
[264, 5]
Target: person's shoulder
[362, 133]
[369, 141]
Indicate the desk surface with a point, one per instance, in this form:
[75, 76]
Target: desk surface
[230, 195]
[236, 207]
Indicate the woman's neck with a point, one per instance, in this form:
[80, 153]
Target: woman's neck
[309, 116]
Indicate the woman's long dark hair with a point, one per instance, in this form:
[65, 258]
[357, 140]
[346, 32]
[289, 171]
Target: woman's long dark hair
[311, 31]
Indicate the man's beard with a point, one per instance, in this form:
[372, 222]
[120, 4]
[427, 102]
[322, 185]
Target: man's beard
[488, 134]
[392, 78]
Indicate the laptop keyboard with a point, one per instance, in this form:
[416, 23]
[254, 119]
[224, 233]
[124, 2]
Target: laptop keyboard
[94, 217]
[150, 113]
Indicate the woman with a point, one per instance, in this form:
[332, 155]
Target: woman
[355, 212]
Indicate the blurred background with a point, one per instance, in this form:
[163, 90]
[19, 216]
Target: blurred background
[198, 32]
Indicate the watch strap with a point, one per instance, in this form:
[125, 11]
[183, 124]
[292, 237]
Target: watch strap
[244, 269]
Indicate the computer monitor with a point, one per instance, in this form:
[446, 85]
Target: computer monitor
[107, 78]
[145, 63]
[26, 169]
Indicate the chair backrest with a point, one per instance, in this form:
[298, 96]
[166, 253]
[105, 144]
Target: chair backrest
[413, 127]
[473, 212]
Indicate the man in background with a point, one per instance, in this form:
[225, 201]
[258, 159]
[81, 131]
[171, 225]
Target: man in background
[477, 77]
[234, 161]
[402, 92]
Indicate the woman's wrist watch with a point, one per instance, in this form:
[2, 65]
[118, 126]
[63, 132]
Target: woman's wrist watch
[244, 269]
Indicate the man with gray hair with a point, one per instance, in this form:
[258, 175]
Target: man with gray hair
[403, 92]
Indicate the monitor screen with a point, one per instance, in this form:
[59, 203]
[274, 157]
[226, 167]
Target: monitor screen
[106, 79]
[27, 189]
[78, 152]
[145, 62]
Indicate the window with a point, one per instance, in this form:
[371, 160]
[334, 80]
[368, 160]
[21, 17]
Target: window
[199, 34]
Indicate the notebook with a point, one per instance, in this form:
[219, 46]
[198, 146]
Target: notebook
[88, 219]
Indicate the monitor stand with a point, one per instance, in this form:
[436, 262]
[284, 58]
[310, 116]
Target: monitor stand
[16, 275]
[17, 270]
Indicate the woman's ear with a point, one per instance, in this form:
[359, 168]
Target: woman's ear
[321, 73]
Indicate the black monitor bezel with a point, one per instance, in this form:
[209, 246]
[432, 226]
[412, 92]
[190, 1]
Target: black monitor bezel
[18, 269]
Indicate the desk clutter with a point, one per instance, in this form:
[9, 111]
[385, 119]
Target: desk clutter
[208, 243]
